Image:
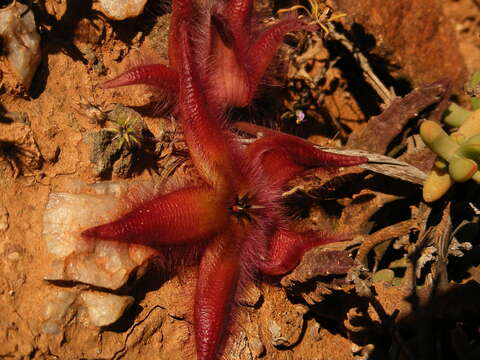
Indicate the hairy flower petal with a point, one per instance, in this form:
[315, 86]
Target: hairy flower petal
[209, 144]
[284, 157]
[287, 248]
[157, 75]
[265, 47]
[180, 217]
[218, 278]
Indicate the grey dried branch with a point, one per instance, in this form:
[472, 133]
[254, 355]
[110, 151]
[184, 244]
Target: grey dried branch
[387, 95]
[414, 251]
[362, 280]
[385, 165]
[382, 129]
[319, 262]
[382, 235]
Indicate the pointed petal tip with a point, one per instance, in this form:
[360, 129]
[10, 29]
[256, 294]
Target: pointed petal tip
[362, 160]
[113, 83]
[341, 160]
[89, 233]
[98, 232]
[106, 85]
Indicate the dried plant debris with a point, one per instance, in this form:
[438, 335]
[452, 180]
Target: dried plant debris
[390, 232]
[319, 262]
[318, 97]
[95, 113]
[391, 122]
[419, 281]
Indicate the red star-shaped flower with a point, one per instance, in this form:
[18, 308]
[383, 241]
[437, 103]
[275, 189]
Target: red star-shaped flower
[236, 214]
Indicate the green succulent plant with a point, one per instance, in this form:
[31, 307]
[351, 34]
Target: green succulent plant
[127, 127]
[458, 153]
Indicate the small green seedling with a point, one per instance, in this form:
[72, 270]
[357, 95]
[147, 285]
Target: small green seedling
[127, 127]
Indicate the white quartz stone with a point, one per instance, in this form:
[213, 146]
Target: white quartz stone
[122, 9]
[104, 309]
[57, 303]
[20, 37]
[106, 264]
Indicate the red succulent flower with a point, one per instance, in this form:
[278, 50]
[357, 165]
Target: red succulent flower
[236, 213]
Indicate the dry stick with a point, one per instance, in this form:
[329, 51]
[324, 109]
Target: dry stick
[385, 165]
[356, 215]
[380, 130]
[373, 240]
[382, 235]
[423, 236]
[385, 94]
[443, 236]
[414, 254]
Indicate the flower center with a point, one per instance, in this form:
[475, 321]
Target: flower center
[243, 209]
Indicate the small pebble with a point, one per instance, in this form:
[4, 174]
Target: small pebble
[105, 309]
[122, 9]
[20, 40]
[14, 256]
